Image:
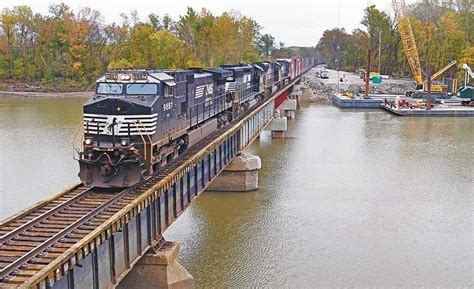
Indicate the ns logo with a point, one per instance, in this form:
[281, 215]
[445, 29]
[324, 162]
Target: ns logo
[209, 88]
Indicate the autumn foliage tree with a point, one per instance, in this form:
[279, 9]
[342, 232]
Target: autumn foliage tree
[442, 33]
[74, 47]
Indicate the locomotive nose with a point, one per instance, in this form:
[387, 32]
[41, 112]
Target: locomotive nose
[105, 170]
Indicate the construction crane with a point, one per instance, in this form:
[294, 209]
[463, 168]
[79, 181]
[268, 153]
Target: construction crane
[467, 73]
[408, 39]
[411, 52]
[444, 69]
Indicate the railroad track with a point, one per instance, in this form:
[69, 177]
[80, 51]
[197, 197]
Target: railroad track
[31, 242]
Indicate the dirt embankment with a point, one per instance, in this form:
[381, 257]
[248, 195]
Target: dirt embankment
[45, 94]
[17, 88]
[322, 89]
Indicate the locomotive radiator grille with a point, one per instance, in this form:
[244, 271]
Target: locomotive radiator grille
[120, 125]
[230, 86]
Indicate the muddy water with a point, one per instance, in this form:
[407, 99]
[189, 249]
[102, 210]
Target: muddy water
[348, 199]
[36, 149]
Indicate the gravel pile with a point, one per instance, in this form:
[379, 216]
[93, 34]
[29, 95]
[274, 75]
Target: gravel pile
[322, 89]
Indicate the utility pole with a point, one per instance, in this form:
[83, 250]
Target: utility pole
[428, 97]
[380, 51]
[367, 72]
[337, 67]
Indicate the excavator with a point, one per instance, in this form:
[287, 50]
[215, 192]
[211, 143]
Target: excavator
[466, 92]
[441, 90]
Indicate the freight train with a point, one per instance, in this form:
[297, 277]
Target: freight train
[140, 120]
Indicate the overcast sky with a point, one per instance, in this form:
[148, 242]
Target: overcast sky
[294, 22]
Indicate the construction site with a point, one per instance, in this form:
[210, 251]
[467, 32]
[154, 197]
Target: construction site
[425, 93]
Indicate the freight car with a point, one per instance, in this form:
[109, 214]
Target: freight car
[140, 120]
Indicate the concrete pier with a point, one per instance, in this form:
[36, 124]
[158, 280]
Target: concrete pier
[298, 95]
[241, 175]
[278, 125]
[289, 108]
[159, 270]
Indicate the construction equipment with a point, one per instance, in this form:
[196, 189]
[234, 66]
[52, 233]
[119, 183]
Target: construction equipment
[467, 73]
[361, 72]
[442, 70]
[466, 92]
[411, 52]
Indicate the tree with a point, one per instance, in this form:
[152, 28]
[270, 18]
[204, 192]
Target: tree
[187, 29]
[8, 20]
[248, 31]
[168, 51]
[333, 45]
[381, 30]
[267, 45]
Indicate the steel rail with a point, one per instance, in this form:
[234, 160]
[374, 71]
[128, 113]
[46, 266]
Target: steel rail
[38, 205]
[146, 197]
[4, 272]
[14, 233]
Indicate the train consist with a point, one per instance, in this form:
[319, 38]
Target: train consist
[139, 120]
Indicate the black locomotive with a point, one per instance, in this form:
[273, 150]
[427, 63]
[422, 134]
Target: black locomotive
[139, 120]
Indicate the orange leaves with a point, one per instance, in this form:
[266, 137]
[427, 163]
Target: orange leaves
[77, 65]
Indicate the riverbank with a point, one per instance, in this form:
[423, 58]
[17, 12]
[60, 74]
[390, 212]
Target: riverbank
[19, 88]
[321, 90]
[40, 94]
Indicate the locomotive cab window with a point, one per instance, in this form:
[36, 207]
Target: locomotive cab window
[169, 90]
[109, 88]
[142, 88]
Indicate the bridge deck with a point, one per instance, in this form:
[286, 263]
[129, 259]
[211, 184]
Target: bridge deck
[46, 242]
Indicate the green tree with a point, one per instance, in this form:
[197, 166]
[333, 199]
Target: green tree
[383, 38]
[8, 21]
[266, 44]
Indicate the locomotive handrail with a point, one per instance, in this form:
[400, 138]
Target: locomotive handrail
[149, 138]
[143, 139]
[75, 137]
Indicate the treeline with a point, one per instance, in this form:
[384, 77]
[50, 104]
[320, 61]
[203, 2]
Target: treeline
[443, 33]
[72, 48]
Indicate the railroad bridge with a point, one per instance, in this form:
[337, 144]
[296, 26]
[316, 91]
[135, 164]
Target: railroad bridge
[80, 238]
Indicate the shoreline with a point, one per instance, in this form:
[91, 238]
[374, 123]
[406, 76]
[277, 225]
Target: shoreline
[34, 94]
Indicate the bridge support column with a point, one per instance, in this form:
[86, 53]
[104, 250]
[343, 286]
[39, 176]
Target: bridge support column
[305, 98]
[278, 125]
[289, 107]
[241, 175]
[298, 95]
[159, 270]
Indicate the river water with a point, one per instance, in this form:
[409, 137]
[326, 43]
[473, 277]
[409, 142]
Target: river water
[349, 198]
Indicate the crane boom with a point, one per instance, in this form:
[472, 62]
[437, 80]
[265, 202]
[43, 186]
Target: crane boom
[468, 70]
[408, 39]
[442, 70]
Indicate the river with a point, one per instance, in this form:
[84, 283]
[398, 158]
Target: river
[349, 198]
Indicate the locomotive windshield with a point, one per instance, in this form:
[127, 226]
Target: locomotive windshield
[142, 88]
[109, 88]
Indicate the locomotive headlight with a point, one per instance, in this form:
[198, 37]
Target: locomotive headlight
[125, 77]
[124, 142]
[88, 141]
